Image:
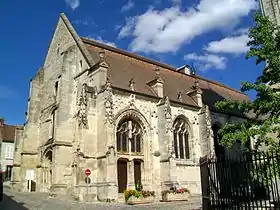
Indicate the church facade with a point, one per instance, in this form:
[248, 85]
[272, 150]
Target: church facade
[127, 118]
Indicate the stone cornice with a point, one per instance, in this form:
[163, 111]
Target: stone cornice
[29, 153]
[62, 143]
[17, 165]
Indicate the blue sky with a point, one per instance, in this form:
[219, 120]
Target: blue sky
[210, 34]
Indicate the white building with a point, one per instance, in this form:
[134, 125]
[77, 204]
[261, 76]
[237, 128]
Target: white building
[7, 140]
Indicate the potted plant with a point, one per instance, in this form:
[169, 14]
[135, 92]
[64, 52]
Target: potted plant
[175, 194]
[138, 196]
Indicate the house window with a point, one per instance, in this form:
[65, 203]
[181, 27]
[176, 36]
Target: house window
[129, 136]
[181, 138]
[8, 172]
[9, 153]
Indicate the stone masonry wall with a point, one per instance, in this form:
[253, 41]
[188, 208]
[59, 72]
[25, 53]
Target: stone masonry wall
[186, 172]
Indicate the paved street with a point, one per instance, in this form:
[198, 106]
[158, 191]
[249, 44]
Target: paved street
[24, 201]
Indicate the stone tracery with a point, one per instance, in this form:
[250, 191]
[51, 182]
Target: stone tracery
[82, 104]
[129, 136]
[181, 138]
[109, 103]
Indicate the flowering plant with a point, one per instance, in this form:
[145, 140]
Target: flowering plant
[175, 190]
[138, 192]
[146, 193]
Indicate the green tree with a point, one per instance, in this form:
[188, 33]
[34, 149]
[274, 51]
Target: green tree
[263, 112]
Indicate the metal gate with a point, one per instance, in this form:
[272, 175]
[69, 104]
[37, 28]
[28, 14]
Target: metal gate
[248, 182]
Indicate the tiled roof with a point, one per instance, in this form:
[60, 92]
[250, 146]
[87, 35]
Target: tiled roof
[124, 66]
[8, 133]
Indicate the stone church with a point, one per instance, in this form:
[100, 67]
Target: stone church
[123, 116]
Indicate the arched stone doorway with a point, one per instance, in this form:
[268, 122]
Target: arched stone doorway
[47, 170]
[122, 175]
[130, 132]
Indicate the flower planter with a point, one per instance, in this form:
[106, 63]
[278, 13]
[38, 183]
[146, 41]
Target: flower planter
[175, 197]
[141, 200]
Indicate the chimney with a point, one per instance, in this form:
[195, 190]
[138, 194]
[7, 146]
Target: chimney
[157, 83]
[186, 69]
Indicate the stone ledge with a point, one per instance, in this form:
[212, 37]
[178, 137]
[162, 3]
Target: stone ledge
[141, 200]
[168, 197]
[29, 153]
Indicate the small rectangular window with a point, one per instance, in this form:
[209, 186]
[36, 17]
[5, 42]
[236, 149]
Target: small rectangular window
[56, 88]
[9, 153]
[175, 144]
[8, 172]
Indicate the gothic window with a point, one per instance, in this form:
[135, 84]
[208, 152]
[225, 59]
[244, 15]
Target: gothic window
[129, 136]
[181, 138]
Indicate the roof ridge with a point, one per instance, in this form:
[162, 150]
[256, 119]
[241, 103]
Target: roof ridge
[77, 39]
[151, 61]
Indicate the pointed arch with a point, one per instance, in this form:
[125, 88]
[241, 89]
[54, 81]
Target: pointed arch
[182, 135]
[130, 130]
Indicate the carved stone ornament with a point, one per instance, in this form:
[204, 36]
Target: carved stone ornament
[195, 120]
[168, 116]
[167, 108]
[209, 131]
[156, 153]
[172, 156]
[132, 84]
[82, 104]
[108, 103]
[111, 151]
[132, 101]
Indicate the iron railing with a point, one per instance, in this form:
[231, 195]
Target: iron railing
[248, 181]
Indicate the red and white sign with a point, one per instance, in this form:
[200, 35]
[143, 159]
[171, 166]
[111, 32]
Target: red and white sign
[87, 171]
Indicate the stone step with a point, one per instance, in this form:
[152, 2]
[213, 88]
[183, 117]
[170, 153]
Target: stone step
[121, 198]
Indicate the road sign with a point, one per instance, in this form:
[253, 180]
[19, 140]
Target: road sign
[87, 171]
[87, 180]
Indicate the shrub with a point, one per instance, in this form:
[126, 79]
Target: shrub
[138, 186]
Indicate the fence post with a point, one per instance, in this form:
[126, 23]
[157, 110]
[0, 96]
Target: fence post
[204, 174]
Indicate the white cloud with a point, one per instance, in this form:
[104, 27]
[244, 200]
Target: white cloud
[166, 30]
[127, 28]
[242, 31]
[74, 4]
[128, 6]
[99, 39]
[207, 61]
[232, 44]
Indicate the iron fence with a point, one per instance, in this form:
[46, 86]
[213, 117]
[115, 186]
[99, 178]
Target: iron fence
[248, 181]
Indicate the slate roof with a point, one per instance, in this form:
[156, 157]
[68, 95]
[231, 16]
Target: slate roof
[124, 66]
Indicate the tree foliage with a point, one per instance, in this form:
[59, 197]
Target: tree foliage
[263, 112]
